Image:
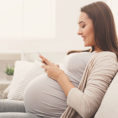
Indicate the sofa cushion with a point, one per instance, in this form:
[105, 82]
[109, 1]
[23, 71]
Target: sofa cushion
[24, 73]
[109, 105]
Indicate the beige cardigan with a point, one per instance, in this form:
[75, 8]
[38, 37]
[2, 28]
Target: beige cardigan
[84, 101]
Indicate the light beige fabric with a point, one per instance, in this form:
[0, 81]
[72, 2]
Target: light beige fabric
[109, 105]
[97, 76]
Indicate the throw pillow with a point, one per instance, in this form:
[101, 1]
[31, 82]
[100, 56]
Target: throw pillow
[24, 73]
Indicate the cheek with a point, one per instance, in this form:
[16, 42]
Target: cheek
[89, 31]
[90, 34]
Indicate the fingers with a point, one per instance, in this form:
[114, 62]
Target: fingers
[45, 67]
[44, 60]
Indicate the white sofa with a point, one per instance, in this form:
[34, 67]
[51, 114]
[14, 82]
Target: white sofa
[109, 105]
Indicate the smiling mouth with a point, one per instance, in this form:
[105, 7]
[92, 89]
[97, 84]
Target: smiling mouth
[84, 38]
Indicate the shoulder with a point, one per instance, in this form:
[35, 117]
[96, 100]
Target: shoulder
[106, 53]
[104, 59]
[105, 56]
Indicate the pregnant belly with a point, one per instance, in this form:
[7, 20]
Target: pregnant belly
[44, 97]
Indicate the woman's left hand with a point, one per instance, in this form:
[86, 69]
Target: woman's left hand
[53, 71]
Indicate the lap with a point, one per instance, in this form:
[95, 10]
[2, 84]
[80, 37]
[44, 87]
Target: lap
[14, 109]
[17, 115]
[11, 106]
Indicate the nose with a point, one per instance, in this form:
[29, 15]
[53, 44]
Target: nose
[79, 32]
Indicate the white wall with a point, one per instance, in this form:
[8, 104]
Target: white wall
[67, 14]
[66, 32]
[67, 24]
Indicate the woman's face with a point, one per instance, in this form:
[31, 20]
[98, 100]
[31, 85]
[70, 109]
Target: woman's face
[86, 30]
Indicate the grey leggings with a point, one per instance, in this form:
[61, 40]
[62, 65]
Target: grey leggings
[14, 109]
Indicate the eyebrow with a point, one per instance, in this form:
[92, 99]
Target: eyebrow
[81, 22]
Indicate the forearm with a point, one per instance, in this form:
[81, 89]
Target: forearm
[65, 84]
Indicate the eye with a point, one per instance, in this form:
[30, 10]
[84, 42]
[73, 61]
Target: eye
[83, 26]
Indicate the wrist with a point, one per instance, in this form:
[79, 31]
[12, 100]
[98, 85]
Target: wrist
[65, 83]
[62, 76]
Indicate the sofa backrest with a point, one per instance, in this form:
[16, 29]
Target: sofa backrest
[109, 105]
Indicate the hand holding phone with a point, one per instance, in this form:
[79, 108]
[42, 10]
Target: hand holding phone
[44, 60]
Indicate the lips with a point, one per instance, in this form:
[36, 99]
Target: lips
[83, 37]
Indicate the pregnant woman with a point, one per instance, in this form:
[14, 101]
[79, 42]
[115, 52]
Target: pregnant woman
[96, 26]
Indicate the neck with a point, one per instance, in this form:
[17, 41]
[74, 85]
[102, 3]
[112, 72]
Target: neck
[97, 49]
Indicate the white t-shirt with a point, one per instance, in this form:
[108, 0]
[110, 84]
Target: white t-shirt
[44, 97]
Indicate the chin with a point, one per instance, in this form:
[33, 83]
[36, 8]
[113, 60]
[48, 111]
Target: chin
[86, 45]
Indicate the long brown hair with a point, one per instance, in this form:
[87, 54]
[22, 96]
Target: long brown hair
[104, 26]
